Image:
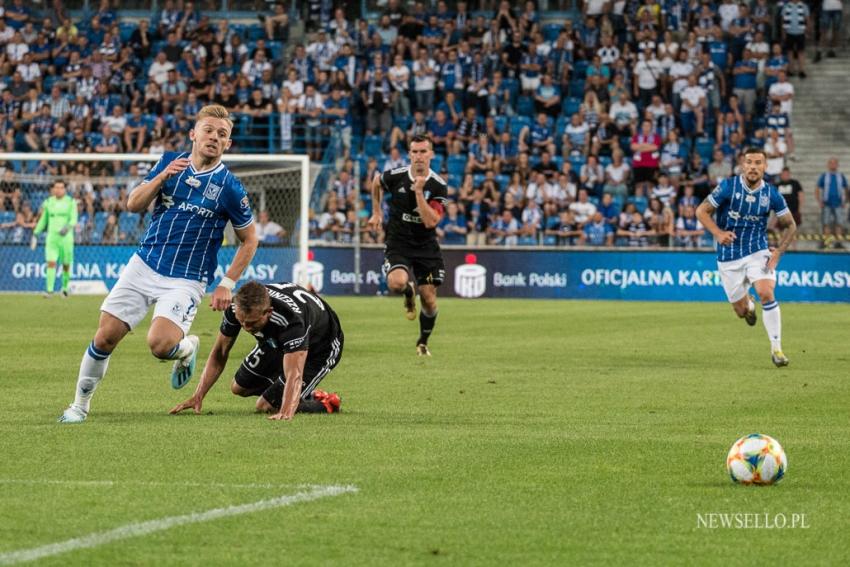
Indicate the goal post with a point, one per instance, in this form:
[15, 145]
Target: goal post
[277, 184]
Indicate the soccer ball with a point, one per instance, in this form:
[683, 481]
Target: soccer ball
[756, 459]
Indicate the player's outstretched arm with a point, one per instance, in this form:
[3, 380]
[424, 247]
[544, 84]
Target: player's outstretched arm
[293, 369]
[705, 213]
[143, 195]
[222, 296]
[213, 368]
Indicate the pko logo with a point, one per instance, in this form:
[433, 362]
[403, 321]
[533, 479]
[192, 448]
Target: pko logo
[309, 273]
[470, 278]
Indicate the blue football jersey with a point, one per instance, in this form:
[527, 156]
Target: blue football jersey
[187, 226]
[745, 212]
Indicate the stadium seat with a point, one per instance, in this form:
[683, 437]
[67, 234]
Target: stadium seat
[437, 163]
[551, 32]
[525, 106]
[456, 165]
[705, 147]
[128, 223]
[7, 217]
[503, 181]
[478, 179]
[501, 122]
[571, 105]
[580, 69]
[577, 88]
[518, 123]
[576, 162]
[454, 180]
[373, 145]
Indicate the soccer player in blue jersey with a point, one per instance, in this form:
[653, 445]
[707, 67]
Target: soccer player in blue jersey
[195, 197]
[743, 204]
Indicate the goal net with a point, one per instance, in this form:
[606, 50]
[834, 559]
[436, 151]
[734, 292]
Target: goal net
[106, 234]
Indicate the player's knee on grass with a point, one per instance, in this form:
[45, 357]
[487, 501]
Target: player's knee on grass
[272, 397]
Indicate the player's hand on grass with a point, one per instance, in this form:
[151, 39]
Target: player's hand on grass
[280, 417]
[221, 298]
[33, 242]
[176, 167]
[195, 402]
[726, 237]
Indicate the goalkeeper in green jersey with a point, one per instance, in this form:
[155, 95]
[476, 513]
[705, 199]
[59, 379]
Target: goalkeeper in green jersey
[58, 217]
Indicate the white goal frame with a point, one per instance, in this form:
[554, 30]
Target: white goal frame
[302, 160]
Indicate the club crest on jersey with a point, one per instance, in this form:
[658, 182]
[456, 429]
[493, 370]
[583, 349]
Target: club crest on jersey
[750, 199]
[245, 204]
[212, 191]
[764, 201]
[192, 182]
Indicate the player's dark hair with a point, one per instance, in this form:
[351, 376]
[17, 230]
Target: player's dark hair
[421, 138]
[251, 297]
[754, 150]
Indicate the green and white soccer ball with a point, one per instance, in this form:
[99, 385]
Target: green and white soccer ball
[756, 459]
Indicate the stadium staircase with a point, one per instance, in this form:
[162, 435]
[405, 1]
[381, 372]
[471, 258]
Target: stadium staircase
[821, 125]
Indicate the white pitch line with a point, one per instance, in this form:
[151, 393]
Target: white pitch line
[144, 528]
[110, 483]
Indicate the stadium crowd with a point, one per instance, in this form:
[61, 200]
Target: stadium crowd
[607, 128]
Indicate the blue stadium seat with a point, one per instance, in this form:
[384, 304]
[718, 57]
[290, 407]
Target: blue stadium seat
[705, 147]
[604, 161]
[129, 224]
[478, 179]
[437, 163]
[580, 69]
[518, 123]
[525, 106]
[571, 105]
[373, 145]
[503, 181]
[501, 122]
[7, 216]
[577, 162]
[100, 221]
[456, 165]
[577, 88]
[551, 32]
[455, 180]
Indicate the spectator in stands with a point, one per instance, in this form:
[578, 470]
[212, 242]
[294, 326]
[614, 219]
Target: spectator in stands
[792, 191]
[583, 210]
[646, 147]
[452, 228]
[776, 149]
[377, 97]
[693, 109]
[276, 25]
[689, 231]
[311, 105]
[268, 231]
[782, 92]
[504, 230]
[576, 138]
[596, 232]
[795, 24]
[831, 195]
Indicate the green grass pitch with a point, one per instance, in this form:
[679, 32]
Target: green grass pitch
[539, 433]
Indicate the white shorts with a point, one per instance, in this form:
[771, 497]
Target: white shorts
[139, 286]
[738, 275]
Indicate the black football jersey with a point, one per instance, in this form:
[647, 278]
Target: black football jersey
[405, 228]
[300, 320]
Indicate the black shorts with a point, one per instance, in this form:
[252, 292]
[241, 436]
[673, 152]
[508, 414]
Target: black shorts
[428, 269]
[796, 44]
[262, 370]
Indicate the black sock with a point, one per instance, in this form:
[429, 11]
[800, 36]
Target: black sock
[426, 325]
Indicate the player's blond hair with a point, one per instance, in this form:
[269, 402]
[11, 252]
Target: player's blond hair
[215, 111]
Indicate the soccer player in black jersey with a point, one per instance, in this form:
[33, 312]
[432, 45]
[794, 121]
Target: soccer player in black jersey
[417, 200]
[299, 340]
